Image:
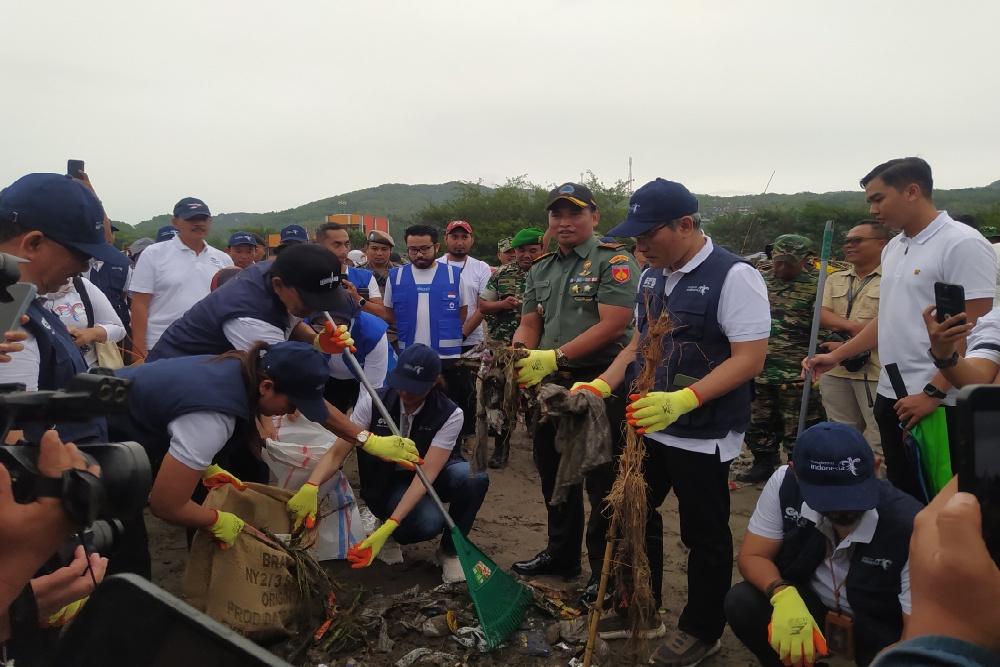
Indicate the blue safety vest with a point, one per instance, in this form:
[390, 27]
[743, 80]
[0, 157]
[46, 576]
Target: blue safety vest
[199, 331]
[367, 331]
[444, 303]
[59, 361]
[695, 345]
[361, 279]
[873, 579]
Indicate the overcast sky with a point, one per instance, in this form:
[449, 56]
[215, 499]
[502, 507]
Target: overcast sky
[261, 106]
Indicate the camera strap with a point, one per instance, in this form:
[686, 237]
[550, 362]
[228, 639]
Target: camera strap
[852, 294]
[88, 307]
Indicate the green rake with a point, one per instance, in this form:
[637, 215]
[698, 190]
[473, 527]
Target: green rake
[500, 600]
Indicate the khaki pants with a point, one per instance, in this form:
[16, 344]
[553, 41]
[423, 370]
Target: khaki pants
[846, 402]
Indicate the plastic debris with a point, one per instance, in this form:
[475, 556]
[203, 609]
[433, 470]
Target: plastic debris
[426, 657]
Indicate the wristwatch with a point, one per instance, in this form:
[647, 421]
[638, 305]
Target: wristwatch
[934, 392]
[362, 302]
[562, 361]
[362, 438]
[943, 363]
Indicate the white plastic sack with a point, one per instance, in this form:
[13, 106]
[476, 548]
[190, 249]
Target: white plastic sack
[292, 457]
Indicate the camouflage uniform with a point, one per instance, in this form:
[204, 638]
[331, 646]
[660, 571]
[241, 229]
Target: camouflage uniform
[508, 280]
[779, 386]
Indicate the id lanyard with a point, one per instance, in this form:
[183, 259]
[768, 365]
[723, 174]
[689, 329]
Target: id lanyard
[833, 576]
[852, 295]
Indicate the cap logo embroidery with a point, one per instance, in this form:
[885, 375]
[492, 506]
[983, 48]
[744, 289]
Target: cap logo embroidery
[633, 208]
[328, 281]
[416, 369]
[567, 190]
[850, 464]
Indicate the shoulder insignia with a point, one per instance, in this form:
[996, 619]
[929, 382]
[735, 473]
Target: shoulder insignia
[542, 256]
[611, 246]
[618, 259]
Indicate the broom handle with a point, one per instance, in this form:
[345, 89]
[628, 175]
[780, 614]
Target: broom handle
[595, 611]
[377, 402]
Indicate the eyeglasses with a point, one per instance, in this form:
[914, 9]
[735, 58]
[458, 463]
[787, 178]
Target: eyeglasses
[646, 236]
[421, 250]
[855, 240]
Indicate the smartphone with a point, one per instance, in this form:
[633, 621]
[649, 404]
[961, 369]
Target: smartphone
[978, 453]
[949, 300]
[74, 168]
[21, 295]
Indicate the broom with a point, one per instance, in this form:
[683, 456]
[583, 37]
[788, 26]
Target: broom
[500, 601]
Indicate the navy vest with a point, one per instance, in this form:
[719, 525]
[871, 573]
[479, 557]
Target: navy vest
[695, 346]
[873, 584]
[443, 301]
[59, 361]
[171, 388]
[361, 279]
[199, 331]
[111, 278]
[375, 473]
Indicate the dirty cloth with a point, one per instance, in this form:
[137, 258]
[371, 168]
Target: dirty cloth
[583, 435]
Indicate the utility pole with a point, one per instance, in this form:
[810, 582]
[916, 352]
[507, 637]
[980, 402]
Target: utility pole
[629, 176]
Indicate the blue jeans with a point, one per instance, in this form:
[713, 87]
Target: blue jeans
[463, 494]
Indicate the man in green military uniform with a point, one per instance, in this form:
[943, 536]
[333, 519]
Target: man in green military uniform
[500, 305]
[576, 317]
[505, 251]
[791, 288]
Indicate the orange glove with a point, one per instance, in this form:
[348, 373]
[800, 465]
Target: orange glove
[334, 340]
[363, 552]
[217, 476]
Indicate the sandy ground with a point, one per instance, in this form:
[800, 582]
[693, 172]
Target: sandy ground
[510, 527]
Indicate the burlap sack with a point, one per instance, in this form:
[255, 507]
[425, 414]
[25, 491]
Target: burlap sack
[249, 586]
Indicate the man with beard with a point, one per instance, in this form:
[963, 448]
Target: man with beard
[825, 558]
[174, 275]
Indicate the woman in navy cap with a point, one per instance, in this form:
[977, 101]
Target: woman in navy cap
[191, 414]
[393, 494]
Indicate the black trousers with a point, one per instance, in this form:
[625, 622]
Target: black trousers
[566, 520]
[701, 484]
[460, 378]
[342, 394]
[749, 613]
[898, 468]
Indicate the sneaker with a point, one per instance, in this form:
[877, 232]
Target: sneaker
[589, 595]
[611, 625]
[682, 650]
[451, 567]
[391, 553]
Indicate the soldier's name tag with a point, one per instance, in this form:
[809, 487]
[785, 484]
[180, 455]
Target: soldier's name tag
[840, 634]
[541, 283]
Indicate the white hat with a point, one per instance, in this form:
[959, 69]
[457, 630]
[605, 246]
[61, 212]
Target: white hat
[356, 256]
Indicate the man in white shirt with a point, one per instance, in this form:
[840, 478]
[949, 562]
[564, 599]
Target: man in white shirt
[172, 276]
[359, 283]
[932, 248]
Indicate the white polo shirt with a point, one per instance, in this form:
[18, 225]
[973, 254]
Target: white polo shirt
[744, 316]
[475, 274]
[177, 278]
[945, 251]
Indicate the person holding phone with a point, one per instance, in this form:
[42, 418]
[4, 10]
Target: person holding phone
[52, 222]
[981, 361]
[931, 248]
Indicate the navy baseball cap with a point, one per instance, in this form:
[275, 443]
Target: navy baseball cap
[242, 238]
[294, 234]
[165, 233]
[300, 371]
[189, 207]
[416, 370]
[314, 272]
[61, 208]
[654, 203]
[571, 192]
[835, 468]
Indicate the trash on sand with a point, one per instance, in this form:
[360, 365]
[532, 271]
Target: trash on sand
[472, 638]
[426, 657]
[532, 642]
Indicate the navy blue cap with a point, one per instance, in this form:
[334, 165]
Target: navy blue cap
[654, 203]
[242, 238]
[300, 371]
[835, 468]
[608, 239]
[61, 208]
[165, 233]
[294, 234]
[580, 195]
[189, 207]
[314, 272]
[416, 370]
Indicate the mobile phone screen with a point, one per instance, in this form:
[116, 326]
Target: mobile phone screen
[986, 466]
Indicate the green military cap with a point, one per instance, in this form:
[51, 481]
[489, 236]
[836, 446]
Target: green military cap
[503, 245]
[530, 236]
[989, 232]
[791, 247]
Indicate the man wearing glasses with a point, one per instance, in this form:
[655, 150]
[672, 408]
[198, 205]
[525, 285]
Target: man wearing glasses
[850, 301]
[172, 276]
[427, 300]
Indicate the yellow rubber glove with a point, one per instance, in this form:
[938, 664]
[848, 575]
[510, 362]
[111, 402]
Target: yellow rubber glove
[598, 386]
[394, 449]
[226, 527]
[303, 506]
[65, 615]
[217, 476]
[533, 368]
[659, 409]
[793, 632]
[364, 552]
[334, 341]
